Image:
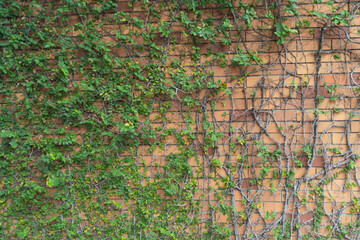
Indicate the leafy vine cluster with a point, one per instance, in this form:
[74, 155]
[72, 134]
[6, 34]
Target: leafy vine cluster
[179, 119]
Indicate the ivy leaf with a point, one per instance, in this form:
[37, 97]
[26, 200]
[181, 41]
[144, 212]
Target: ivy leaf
[318, 14]
[52, 182]
[63, 67]
[48, 45]
[13, 144]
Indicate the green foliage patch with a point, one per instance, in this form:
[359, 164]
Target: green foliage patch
[87, 98]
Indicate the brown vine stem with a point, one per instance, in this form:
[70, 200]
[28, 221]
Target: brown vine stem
[317, 100]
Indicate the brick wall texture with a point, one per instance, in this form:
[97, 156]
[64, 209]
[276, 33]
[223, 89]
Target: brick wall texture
[274, 144]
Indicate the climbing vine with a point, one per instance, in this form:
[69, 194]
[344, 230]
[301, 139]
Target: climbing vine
[181, 119]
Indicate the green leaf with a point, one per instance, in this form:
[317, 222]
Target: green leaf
[63, 67]
[318, 14]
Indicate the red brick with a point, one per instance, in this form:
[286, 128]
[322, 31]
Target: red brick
[310, 92]
[124, 6]
[318, 162]
[242, 116]
[332, 33]
[246, 184]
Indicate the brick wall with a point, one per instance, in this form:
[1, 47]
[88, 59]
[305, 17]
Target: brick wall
[301, 101]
